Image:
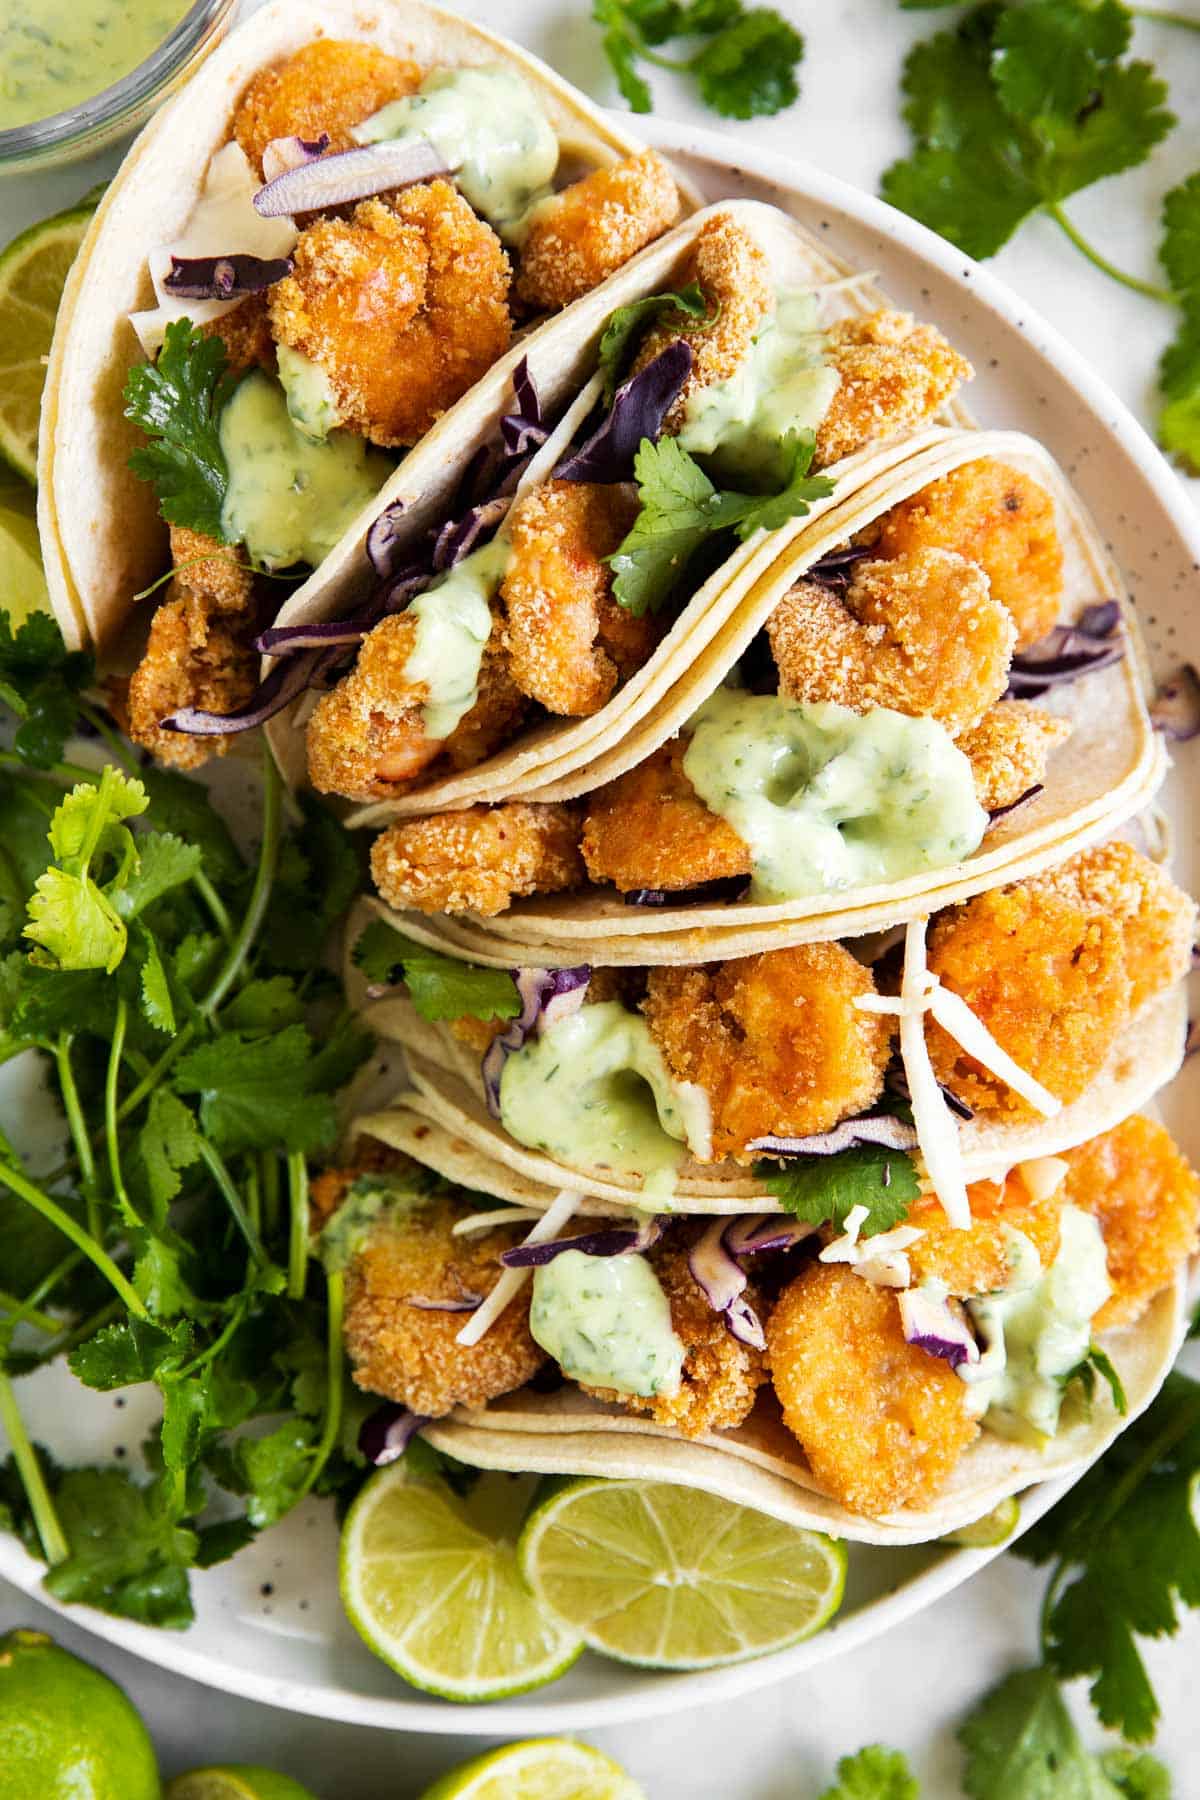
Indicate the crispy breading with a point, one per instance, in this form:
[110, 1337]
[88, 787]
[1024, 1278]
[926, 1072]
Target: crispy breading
[721, 1375]
[404, 306]
[998, 518]
[775, 1041]
[479, 860]
[193, 657]
[326, 86]
[407, 1353]
[978, 1261]
[882, 1422]
[330, 1186]
[1146, 1200]
[568, 641]
[245, 331]
[920, 633]
[650, 828]
[578, 238]
[1009, 748]
[216, 573]
[1157, 918]
[894, 377]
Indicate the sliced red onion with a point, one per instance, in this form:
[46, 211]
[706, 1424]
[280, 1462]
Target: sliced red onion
[930, 1323]
[381, 540]
[464, 1303]
[350, 175]
[286, 153]
[386, 1433]
[871, 1128]
[283, 640]
[1176, 709]
[1100, 619]
[745, 1325]
[714, 1269]
[1001, 812]
[547, 996]
[460, 536]
[836, 569]
[525, 429]
[638, 410]
[613, 1240]
[285, 681]
[725, 887]
[224, 277]
[755, 1232]
[1068, 651]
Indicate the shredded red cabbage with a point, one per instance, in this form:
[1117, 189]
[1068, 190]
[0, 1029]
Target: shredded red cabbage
[638, 410]
[386, 1433]
[725, 887]
[547, 995]
[610, 1240]
[871, 1128]
[753, 1233]
[285, 681]
[722, 1280]
[931, 1324]
[224, 277]
[1095, 641]
[346, 175]
[464, 1303]
[836, 568]
[1001, 812]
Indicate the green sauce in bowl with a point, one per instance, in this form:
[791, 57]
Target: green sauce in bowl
[56, 53]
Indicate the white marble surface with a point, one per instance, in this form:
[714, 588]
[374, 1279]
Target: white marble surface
[908, 1689]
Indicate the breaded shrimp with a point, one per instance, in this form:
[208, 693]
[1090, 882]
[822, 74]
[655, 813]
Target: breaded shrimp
[1158, 919]
[650, 828]
[998, 518]
[583, 235]
[894, 377]
[1009, 748]
[882, 1422]
[215, 573]
[479, 860]
[404, 305]
[921, 634]
[245, 331]
[721, 1375]
[775, 1041]
[1146, 1200]
[329, 86]
[406, 1352]
[194, 657]
[568, 641]
[978, 1261]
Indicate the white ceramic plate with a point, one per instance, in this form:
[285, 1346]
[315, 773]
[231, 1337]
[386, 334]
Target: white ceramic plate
[269, 1625]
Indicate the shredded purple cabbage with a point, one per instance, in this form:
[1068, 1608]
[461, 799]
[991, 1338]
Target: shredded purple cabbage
[725, 887]
[1095, 641]
[1002, 812]
[871, 1128]
[547, 995]
[224, 277]
[753, 1233]
[722, 1280]
[931, 1324]
[1176, 709]
[896, 1082]
[460, 536]
[638, 410]
[523, 430]
[609, 1240]
[346, 175]
[280, 688]
[836, 569]
[386, 1433]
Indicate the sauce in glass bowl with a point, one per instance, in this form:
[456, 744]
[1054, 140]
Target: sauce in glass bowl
[54, 54]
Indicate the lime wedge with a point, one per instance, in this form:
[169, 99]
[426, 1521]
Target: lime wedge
[235, 1781]
[436, 1592]
[542, 1769]
[671, 1578]
[22, 584]
[995, 1527]
[33, 270]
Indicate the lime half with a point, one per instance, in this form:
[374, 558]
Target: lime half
[995, 1527]
[66, 1730]
[671, 1578]
[236, 1781]
[439, 1596]
[542, 1769]
[33, 271]
[22, 583]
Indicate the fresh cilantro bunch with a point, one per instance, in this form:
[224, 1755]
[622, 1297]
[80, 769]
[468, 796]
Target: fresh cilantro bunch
[745, 68]
[178, 401]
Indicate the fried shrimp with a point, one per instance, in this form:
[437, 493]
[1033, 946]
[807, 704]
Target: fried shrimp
[894, 376]
[1009, 748]
[979, 1261]
[775, 1041]
[578, 238]
[404, 305]
[1146, 1200]
[329, 86]
[194, 657]
[214, 572]
[245, 331]
[998, 518]
[1158, 919]
[920, 634]
[650, 828]
[568, 641]
[721, 1376]
[406, 1351]
[882, 1422]
[479, 860]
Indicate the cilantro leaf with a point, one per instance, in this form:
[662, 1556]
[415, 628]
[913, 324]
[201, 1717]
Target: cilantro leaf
[264, 1005]
[1097, 1362]
[167, 1142]
[128, 1555]
[626, 325]
[163, 862]
[1021, 1744]
[824, 1189]
[438, 986]
[71, 917]
[320, 872]
[621, 47]
[873, 1774]
[767, 512]
[75, 923]
[746, 69]
[157, 1005]
[177, 402]
[127, 1351]
[183, 808]
[256, 1093]
[40, 680]
[269, 1471]
[1135, 1774]
[1179, 370]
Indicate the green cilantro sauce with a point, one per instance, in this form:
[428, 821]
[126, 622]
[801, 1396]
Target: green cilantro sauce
[783, 385]
[827, 798]
[346, 1233]
[289, 499]
[311, 402]
[54, 54]
[488, 125]
[454, 622]
[596, 1091]
[1037, 1329]
[606, 1321]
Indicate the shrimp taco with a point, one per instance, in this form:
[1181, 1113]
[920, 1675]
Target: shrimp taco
[938, 685]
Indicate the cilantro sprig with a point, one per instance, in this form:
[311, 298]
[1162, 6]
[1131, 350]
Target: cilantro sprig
[438, 986]
[177, 401]
[745, 68]
[1021, 1744]
[825, 1189]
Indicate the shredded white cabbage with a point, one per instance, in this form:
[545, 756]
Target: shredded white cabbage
[559, 1212]
[955, 1017]
[937, 1132]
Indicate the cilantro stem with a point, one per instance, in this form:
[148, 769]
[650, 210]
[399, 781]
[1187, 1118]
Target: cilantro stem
[335, 1296]
[233, 1200]
[298, 1233]
[260, 894]
[50, 1532]
[47, 1284]
[24, 1314]
[214, 903]
[79, 1131]
[253, 1197]
[270, 1190]
[119, 749]
[1148, 288]
[1162, 16]
[73, 773]
[50, 1210]
[683, 63]
[116, 1049]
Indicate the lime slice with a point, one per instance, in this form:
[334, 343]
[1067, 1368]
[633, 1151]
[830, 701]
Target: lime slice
[33, 269]
[236, 1781]
[66, 1731]
[542, 1769]
[22, 584]
[671, 1578]
[995, 1527]
[436, 1592]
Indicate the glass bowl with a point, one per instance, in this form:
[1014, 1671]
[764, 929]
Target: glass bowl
[117, 111]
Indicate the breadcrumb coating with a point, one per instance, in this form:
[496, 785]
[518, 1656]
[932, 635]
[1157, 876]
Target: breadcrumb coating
[998, 518]
[921, 634]
[895, 376]
[329, 85]
[193, 657]
[1146, 1200]
[775, 1041]
[404, 306]
[479, 860]
[245, 331]
[650, 828]
[567, 639]
[1009, 748]
[882, 1422]
[578, 238]
[1157, 918]
[977, 1261]
[216, 573]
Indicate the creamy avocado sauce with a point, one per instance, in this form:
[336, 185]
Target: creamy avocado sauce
[595, 1091]
[488, 125]
[311, 402]
[606, 1321]
[56, 53]
[1037, 1328]
[827, 798]
[783, 385]
[345, 1234]
[454, 622]
[289, 500]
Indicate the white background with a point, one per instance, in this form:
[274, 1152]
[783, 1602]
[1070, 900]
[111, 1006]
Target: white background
[911, 1688]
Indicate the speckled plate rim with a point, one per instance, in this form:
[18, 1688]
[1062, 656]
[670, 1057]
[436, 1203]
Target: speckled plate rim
[647, 1695]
